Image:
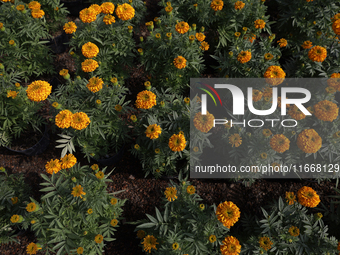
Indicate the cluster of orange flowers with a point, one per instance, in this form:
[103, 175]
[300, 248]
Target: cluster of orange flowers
[36, 12]
[336, 24]
[54, 166]
[65, 119]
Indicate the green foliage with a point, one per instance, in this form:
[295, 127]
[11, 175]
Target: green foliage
[62, 221]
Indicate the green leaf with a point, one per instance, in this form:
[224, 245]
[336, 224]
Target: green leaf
[47, 189]
[147, 225]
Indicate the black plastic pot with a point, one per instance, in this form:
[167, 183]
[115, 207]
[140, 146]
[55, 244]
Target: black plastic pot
[39, 147]
[112, 160]
[75, 7]
[57, 44]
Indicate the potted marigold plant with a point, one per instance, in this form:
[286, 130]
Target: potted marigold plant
[77, 214]
[20, 117]
[187, 225]
[90, 115]
[161, 131]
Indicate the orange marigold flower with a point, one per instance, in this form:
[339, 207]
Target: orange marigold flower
[274, 75]
[336, 26]
[309, 141]
[268, 56]
[153, 131]
[200, 37]
[20, 7]
[204, 46]
[177, 142]
[38, 90]
[266, 132]
[296, 113]
[77, 191]
[191, 189]
[149, 243]
[68, 161]
[282, 42]
[230, 246]
[32, 248]
[250, 37]
[291, 198]
[37, 13]
[180, 62]
[308, 197]
[235, 140]
[34, 5]
[317, 54]
[107, 8]
[14, 200]
[171, 193]
[239, 5]
[326, 110]
[279, 143]
[12, 94]
[31, 207]
[334, 81]
[182, 27]
[95, 84]
[63, 119]
[204, 122]
[294, 231]
[53, 166]
[259, 24]
[89, 50]
[80, 120]
[87, 15]
[70, 27]
[244, 57]
[145, 99]
[125, 12]
[89, 65]
[307, 44]
[265, 243]
[228, 213]
[109, 19]
[98, 238]
[97, 9]
[217, 5]
[257, 95]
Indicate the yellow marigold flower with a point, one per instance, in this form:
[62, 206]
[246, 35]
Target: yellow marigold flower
[336, 26]
[158, 35]
[239, 5]
[334, 81]
[268, 56]
[95, 84]
[15, 218]
[265, 243]
[282, 42]
[259, 24]
[125, 12]
[187, 100]
[228, 213]
[94, 167]
[145, 99]
[90, 50]
[89, 65]
[244, 57]
[237, 34]
[97, 9]
[149, 243]
[204, 122]
[336, 134]
[100, 175]
[34, 5]
[109, 19]
[230, 246]
[107, 8]
[98, 238]
[177, 142]
[266, 132]
[38, 90]
[31, 207]
[308, 197]
[157, 150]
[235, 140]
[80, 120]
[87, 15]
[217, 5]
[80, 250]
[70, 27]
[180, 62]
[326, 110]
[141, 234]
[33, 222]
[133, 118]
[17, 85]
[295, 113]
[279, 143]
[290, 197]
[14, 200]
[274, 75]
[200, 37]
[317, 54]
[307, 44]
[114, 201]
[309, 141]
[12, 94]
[63, 72]
[168, 9]
[136, 147]
[90, 211]
[175, 246]
[98, 101]
[202, 206]
[153, 131]
[191, 38]
[212, 238]
[77, 191]
[118, 108]
[32, 248]
[53, 166]
[171, 193]
[191, 189]
[257, 95]
[204, 46]
[182, 27]
[37, 13]
[294, 231]
[264, 155]
[63, 119]
[68, 161]
[114, 222]
[20, 7]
